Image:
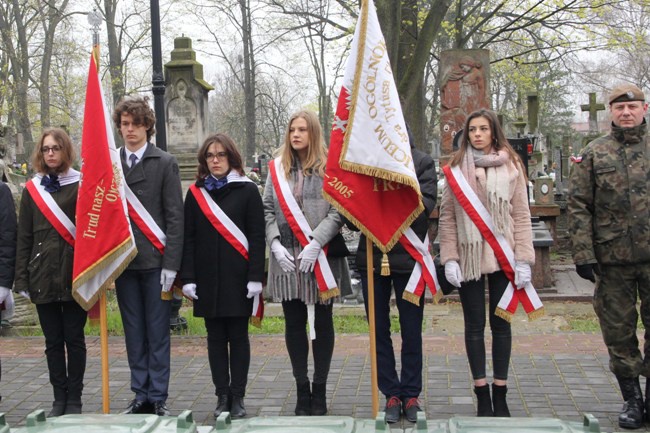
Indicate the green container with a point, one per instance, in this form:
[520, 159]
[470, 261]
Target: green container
[37, 422]
[288, 424]
[4, 428]
[487, 425]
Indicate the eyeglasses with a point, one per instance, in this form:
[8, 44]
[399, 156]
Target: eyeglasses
[219, 155]
[53, 149]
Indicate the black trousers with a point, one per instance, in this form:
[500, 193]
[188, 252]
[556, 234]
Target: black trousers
[295, 335]
[63, 327]
[229, 354]
[472, 299]
[409, 382]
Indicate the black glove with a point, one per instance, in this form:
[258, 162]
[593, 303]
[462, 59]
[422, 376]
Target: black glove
[587, 271]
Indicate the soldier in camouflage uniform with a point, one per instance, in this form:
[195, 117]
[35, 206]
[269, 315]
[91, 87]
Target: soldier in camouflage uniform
[609, 214]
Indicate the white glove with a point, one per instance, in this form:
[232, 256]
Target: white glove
[4, 294]
[523, 274]
[452, 273]
[25, 294]
[309, 255]
[189, 290]
[285, 260]
[167, 278]
[254, 288]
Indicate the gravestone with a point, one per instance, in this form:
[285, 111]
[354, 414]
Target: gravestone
[186, 106]
[593, 108]
[464, 88]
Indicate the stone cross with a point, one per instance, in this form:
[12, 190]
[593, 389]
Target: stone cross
[593, 108]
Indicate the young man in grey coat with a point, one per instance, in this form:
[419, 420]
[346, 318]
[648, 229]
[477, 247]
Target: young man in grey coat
[143, 289]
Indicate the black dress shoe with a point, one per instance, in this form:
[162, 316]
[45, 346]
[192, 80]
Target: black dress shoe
[223, 405]
[411, 409]
[160, 408]
[393, 410]
[137, 406]
[237, 409]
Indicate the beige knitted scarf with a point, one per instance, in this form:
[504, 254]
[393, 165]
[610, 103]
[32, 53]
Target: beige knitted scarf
[470, 240]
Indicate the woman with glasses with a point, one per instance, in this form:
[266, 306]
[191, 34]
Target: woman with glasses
[223, 264]
[299, 225]
[44, 259]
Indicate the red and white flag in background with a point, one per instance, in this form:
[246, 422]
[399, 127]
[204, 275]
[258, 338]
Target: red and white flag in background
[104, 244]
[370, 177]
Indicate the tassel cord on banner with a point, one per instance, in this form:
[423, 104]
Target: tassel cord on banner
[371, 328]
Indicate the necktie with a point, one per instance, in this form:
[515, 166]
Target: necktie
[211, 183]
[134, 159]
[51, 183]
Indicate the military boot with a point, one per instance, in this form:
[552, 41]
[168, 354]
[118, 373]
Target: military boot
[631, 415]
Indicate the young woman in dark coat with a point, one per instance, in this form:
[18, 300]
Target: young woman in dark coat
[44, 268]
[217, 276]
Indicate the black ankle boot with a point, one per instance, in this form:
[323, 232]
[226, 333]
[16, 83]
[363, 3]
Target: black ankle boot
[499, 400]
[223, 405]
[484, 406]
[58, 409]
[318, 399]
[73, 407]
[631, 415]
[237, 408]
[303, 399]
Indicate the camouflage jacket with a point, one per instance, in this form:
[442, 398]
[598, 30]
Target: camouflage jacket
[608, 207]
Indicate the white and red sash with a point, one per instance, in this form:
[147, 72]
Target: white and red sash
[152, 231]
[52, 212]
[480, 216]
[232, 234]
[145, 222]
[302, 231]
[424, 272]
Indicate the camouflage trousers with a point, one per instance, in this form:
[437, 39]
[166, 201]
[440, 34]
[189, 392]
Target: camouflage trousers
[615, 304]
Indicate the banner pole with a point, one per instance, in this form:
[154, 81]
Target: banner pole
[103, 319]
[371, 326]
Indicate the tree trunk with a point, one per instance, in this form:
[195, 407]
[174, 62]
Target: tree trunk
[115, 63]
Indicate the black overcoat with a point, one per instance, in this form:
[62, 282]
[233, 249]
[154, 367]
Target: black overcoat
[219, 271]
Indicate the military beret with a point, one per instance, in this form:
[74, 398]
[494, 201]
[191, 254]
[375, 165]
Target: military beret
[626, 92]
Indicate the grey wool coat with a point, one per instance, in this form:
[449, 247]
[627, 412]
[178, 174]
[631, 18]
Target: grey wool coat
[325, 222]
[156, 181]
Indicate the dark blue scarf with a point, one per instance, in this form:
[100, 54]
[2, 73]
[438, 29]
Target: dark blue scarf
[211, 183]
[51, 183]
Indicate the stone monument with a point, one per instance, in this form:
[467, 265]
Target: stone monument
[464, 87]
[186, 106]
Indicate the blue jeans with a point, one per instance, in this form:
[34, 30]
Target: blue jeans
[145, 317]
[409, 383]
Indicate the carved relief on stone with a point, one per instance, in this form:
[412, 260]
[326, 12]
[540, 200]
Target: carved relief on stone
[463, 89]
[182, 118]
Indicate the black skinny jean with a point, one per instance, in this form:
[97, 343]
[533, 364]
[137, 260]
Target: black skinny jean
[297, 339]
[63, 327]
[472, 298]
[229, 370]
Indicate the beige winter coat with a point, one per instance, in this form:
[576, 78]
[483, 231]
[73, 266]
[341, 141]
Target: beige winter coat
[519, 238]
